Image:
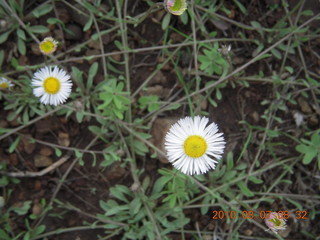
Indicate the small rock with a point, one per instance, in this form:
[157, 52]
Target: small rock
[35, 49]
[115, 172]
[255, 116]
[46, 151]
[116, 57]
[42, 161]
[95, 44]
[248, 232]
[37, 209]
[159, 78]
[159, 130]
[3, 123]
[23, 60]
[304, 105]
[167, 66]
[78, 16]
[64, 139]
[74, 33]
[92, 52]
[27, 143]
[313, 121]
[176, 38]
[238, 60]
[63, 15]
[37, 185]
[156, 90]
[44, 126]
[13, 159]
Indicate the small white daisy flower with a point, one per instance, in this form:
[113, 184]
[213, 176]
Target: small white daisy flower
[52, 84]
[275, 222]
[175, 7]
[48, 45]
[189, 142]
[5, 83]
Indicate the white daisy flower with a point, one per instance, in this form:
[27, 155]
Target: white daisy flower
[189, 142]
[175, 7]
[275, 222]
[48, 46]
[52, 84]
[5, 83]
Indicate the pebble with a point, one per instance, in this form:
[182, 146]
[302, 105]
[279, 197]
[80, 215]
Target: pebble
[76, 32]
[42, 161]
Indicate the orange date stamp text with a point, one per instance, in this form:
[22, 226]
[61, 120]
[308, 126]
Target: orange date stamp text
[262, 214]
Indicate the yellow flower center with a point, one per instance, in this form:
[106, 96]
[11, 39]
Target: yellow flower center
[276, 221]
[47, 46]
[195, 146]
[4, 85]
[176, 6]
[51, 85]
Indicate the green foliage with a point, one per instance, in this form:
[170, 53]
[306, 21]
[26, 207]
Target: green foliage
[151, 103]
[115, 101]
[134, 208]
[211, 61]
[310, 149]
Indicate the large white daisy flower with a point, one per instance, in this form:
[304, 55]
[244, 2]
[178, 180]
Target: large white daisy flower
[52, 84]
[189, 142]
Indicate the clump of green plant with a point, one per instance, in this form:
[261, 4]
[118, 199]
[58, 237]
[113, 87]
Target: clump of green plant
[310, 149]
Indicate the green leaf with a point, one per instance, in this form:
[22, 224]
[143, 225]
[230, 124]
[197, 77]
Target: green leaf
[21, 34]
[38, 29]
[23, 209]
[118, 191]
[140, 147]
[241, 7]
[256, 25]
[92, 73]
[166, 21]
[88, 25]
[309, 156]
[40, 229]
[57, 152]
[135, 206]
[21, 47]
[4, 37]
[54, 21]
[275, 52]
[1, 57]
[230, 163]
[244, 189]
[184, 18]
[14, 145]
[255, 180]
[42, 10]
[160, 183]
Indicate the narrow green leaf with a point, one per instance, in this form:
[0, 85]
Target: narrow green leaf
[14, 145]
[21, 47]
[38, 29]
[4, 37]
[244, 189]
[92, 73]
[21, 34]
[166, 21]
[42, 10]
[88, 25]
